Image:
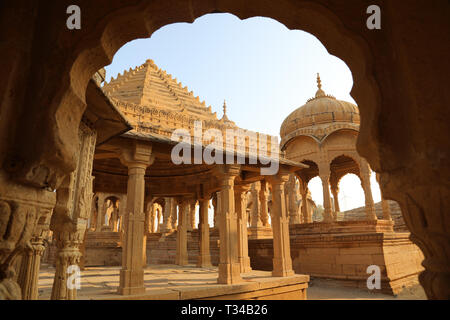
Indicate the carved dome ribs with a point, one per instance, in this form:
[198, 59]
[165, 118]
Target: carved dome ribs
[319, 117]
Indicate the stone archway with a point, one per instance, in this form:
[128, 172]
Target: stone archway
[43, 90]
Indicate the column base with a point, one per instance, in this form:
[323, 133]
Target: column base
[131, 282]
[131, 291]
[245, 264]
[282, 268]
[204, 262]
[183, 262]
[229, 273]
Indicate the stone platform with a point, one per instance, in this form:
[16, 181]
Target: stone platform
[342, 251]
[172, 282]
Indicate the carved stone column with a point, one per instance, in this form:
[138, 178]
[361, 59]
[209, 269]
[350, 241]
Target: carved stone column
[31, 258]
[167, 215]
[282, 262]
[335, 192]
[147, 217]
[255, 219]
[182, 253]
[327, 213]
[240, 200]
[303, 186]
[19, 207]
[204, 256]
[263, 198]
[70, 215]
[292, 201]
[191, 216]
[137, 158]
[101, 212]
[384, 203]
[386, 209]
[68, 243]
[122, 213]
[229, 267]
[174, 218]
[365, 183]
[158, 219]
[115, 218]
[214, 201]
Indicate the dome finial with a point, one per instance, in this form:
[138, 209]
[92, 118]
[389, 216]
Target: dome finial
[320, 92]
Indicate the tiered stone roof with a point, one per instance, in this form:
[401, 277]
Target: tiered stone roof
[156, 104]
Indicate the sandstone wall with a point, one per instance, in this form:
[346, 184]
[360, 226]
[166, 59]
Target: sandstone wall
[346, 257]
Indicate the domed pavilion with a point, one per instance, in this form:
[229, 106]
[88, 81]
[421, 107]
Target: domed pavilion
[322, 134]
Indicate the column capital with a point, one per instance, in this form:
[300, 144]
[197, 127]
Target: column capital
[278, 179]
[228, 170]
[324, 177]
[256, 186]
[137, 155]
[241, 188]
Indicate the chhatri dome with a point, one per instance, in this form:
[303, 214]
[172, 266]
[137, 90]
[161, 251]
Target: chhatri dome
[319, 116]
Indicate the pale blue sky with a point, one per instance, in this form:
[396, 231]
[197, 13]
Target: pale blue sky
[263, 70]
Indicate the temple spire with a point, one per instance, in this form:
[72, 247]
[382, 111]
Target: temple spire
[225, 118]
[224, 108]
[320, 92]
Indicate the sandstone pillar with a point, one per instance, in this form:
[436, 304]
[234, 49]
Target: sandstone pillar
[282, 262]
[67, 259]
[167, 215]
[137, 158]
[31, 258]
[217, 212]
[240, 200]
[263, 198]
[101, 212]
[229, 267]
[335, 192]
[19, 208]
[182, 253]
[327, 213]
[386, 209]
[174, 215]
[204, 257]
[365, 183]
[384, 203]
[191, 217]
[151, 216]
[292, 201]
[304, 206]
[147, 215]
[29, 270]
[256, 205]
[70, 215]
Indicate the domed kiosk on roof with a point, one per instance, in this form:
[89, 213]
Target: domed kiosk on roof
[322, 134]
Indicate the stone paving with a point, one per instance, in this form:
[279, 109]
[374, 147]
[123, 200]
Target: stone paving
[103, 281]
